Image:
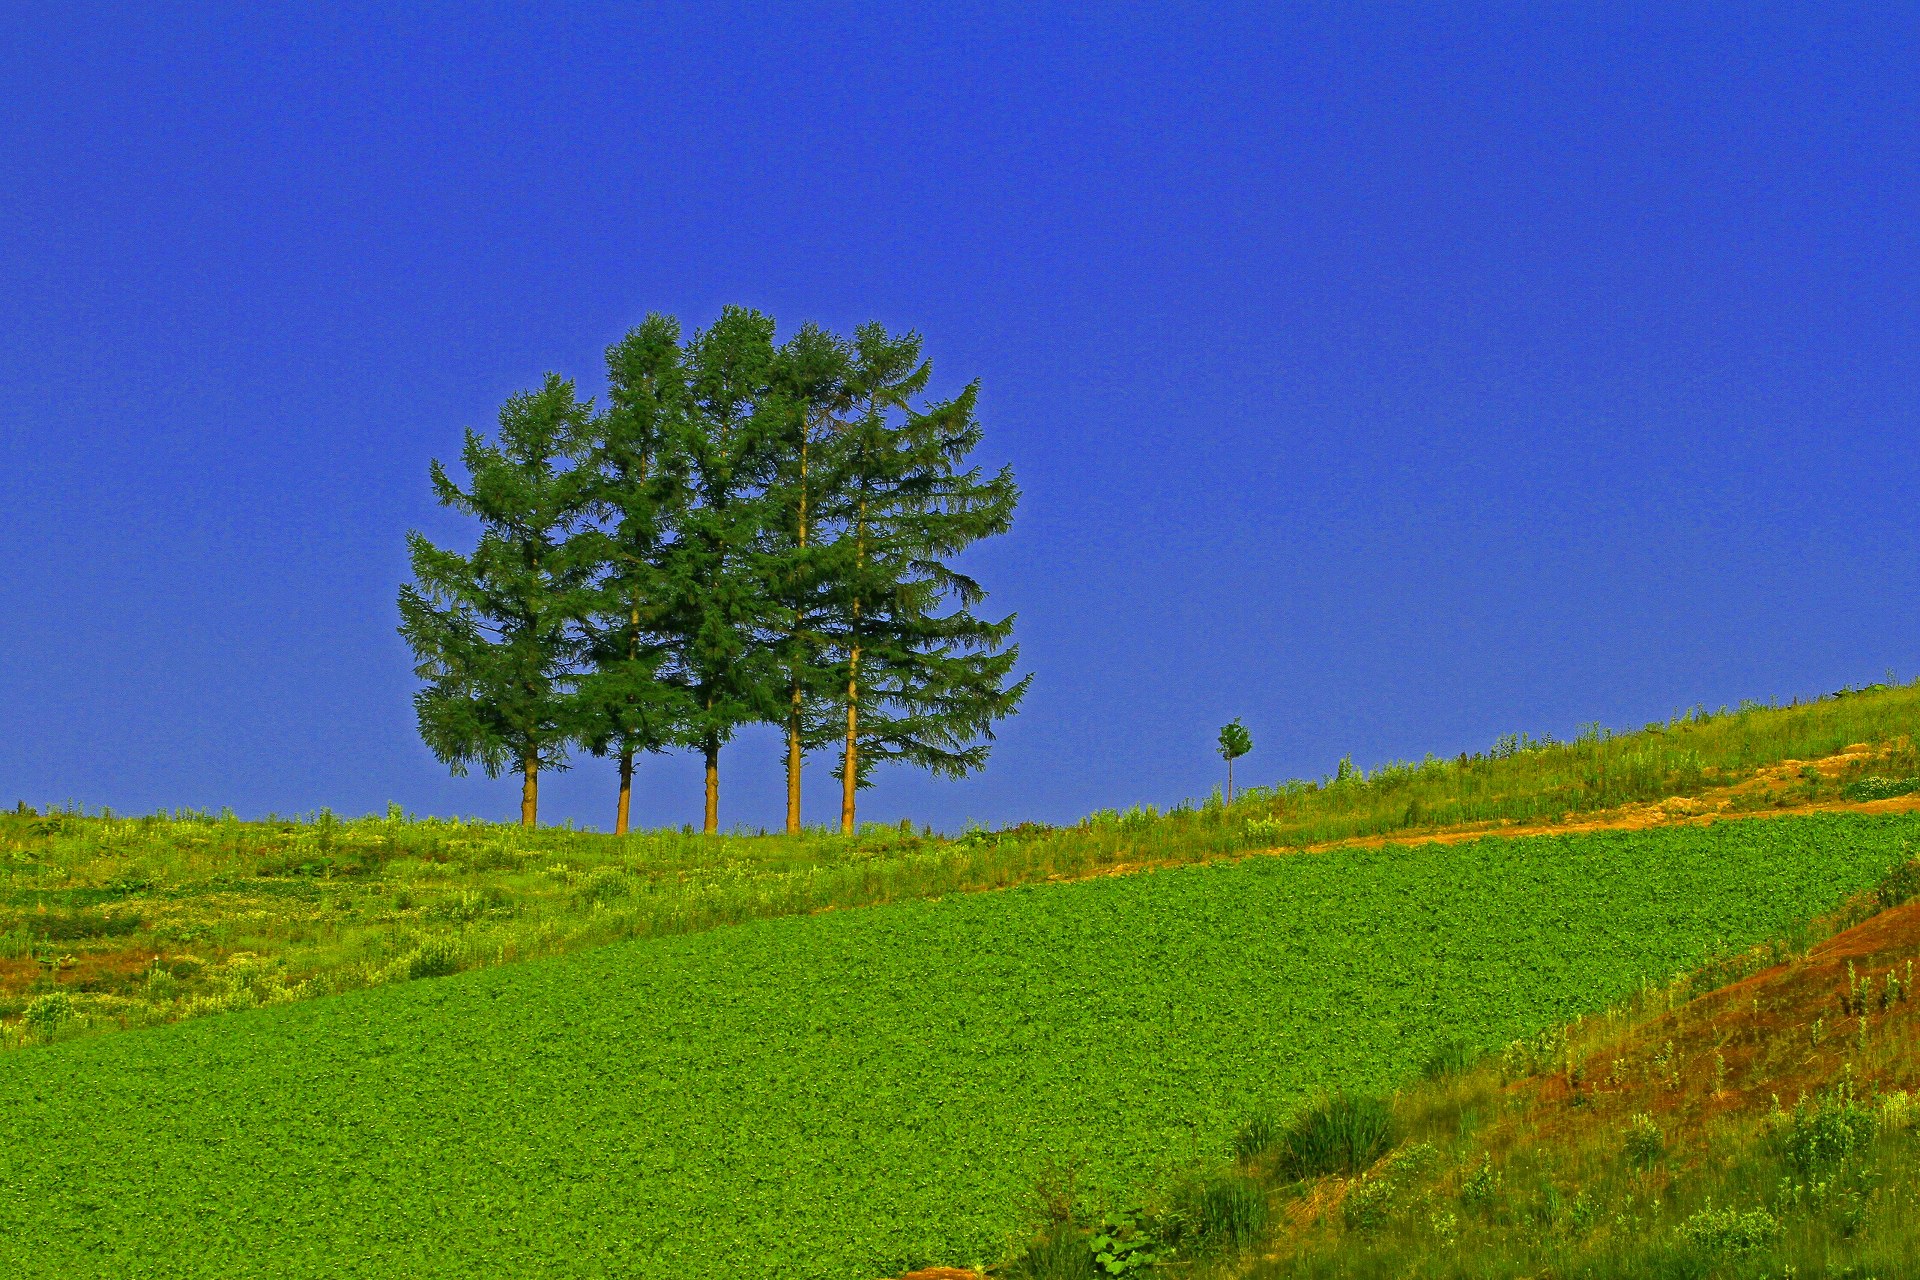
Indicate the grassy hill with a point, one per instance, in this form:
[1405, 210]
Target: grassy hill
[853, 1093]
[1759, 1117]
[111, 922]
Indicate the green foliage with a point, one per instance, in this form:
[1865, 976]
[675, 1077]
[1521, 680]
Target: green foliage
[1824, 1132]
[1877, 788]
[1122, 1245]
[1450, 1057]
[763, 1099]
[1338, 1134]
[1900, 885]
[1235, 741]
[1644, 1144]
[1730, 1230]
[48, 1013]
[1214, 1212]
[492, 632]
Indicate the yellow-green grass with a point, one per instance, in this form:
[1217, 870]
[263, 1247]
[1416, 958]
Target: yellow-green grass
[151, 919]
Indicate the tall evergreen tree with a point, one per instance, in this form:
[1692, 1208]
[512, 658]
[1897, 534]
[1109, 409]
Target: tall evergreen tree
[809, 397]
[626, 702]
[924, 678]
[716, 604]
[492, 632]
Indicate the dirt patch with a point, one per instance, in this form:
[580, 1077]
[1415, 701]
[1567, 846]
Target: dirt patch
[80, 971]
[1766, 1040]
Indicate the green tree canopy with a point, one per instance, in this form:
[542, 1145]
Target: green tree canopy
[492, 632]
[635, 483]
[924, 678]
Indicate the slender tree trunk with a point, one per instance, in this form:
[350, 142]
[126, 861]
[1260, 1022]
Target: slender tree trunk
[530, 789]
[794, 753]
[1229, 780]
[850, 781]
[793, 769]
[713, 789]
[626, 792]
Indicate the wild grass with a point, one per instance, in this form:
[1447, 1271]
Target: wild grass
[1518, 1164]
[154, 918]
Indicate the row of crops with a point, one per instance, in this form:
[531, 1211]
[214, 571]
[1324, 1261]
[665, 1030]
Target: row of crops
[849, 1094]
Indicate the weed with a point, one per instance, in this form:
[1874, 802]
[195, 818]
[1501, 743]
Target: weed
[1222, 1210]
[1644, 1144]
[1122, 1245]
[1451, 1057]
[1729, 1230]
[48, 1013]
[1823, 1132]
[1342, 1133]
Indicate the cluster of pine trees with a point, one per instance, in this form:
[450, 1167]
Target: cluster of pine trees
[747, 532]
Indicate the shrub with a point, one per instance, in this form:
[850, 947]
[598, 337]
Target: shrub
[1339, 1134]
[1823, 1132]
[48, 1013]
[1644, 1143]
[434, 958]
[1880, 788]
[1122, 1245]
[1374, 1199]
[1730, 1231]
[1479, 1189]
[1369, 1204]
[1059, 1254]
[1899, 885]
[1255, 1138]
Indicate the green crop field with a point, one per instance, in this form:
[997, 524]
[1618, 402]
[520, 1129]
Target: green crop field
[842, 1095]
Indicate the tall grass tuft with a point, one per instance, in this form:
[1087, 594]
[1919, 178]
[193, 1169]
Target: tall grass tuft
[1342, 1133]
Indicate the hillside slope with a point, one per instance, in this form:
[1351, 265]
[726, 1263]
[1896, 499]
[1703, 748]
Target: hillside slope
[851, 1094]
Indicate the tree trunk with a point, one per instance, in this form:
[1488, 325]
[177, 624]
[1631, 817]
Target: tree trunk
[793, 768]
[793, 721]
[713, 789]
[530, 789]
[850, 781]
[1229, 779]
[626, 792]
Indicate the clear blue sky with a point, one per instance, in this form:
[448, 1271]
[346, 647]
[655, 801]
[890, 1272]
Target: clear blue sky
[1388, 378]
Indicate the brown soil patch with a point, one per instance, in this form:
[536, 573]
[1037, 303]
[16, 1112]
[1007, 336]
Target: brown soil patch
[80, 971]
[942, 1273]
[1780, 1034]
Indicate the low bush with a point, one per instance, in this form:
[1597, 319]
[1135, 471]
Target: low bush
[1644, 1144]
[1900, 885]
[1824, 1132]
[1875, 788]
[1343, 1133]
[1729, 1230]
[48, 1013]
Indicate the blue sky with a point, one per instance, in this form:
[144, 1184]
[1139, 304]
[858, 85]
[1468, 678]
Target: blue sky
[1388, 377]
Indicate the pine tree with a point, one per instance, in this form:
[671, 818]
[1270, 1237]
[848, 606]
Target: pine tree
[924, 678]
[625, 702]
[493, 632]
[809, 398]
[717, 608]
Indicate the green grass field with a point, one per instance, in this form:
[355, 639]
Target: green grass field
[144, 920]
[843, 1095]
